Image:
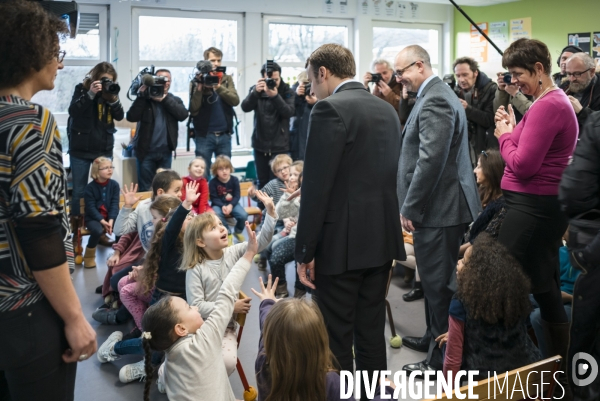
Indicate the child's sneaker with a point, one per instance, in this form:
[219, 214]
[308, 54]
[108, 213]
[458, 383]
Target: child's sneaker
[160, 382]
[105, 316]
[240, 237]
[106, 351]
[256, 258]
[133, 371]
[262, 264]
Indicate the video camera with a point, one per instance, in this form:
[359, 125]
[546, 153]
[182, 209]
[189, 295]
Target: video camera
[206, 76]
[269, 81]
[375, 77]
[450, 80]
[155, 85]
[108, 86]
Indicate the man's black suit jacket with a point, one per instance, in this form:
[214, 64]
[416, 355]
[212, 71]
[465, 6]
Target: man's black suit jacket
[349, 207]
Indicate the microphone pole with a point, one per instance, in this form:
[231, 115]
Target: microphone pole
[477, 27]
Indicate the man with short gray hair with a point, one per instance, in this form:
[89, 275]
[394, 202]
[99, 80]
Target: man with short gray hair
[584, 86]
[385, 86]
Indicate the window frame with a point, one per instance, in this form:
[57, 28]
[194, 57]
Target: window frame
[268, 19]
[407, 25]
[137, 64]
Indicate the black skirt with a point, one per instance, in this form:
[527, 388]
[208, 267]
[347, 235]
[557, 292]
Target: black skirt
[532, 231]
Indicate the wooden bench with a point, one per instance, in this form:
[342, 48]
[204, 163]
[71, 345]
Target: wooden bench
[79, 229]
[528, 378]
[253, 211]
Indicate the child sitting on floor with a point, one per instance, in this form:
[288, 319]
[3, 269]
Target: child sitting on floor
[196, 174]
[207, 260]
[101, 206]
[294, 361]
[224, 191]
[193, 346]
[488, 315]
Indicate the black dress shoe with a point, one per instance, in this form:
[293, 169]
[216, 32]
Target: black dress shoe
[422, 366]
[413, 295]
[420, 344]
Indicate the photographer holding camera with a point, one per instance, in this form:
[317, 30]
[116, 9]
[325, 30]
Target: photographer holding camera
[476, 93]
[272, 101]
[508, 93]
[94, 108]
[386, 87]
[211, 108]
[299, 126]
[157, 129]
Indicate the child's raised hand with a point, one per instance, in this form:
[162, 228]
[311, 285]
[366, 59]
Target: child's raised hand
[267, 292]
[251, 191]
[242, 305]
[252, 248]
[129, 195]
[289, 187]
[267, 201]
[190, 194]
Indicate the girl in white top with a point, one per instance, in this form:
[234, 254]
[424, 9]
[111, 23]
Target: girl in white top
[193, 346]
[208, 259]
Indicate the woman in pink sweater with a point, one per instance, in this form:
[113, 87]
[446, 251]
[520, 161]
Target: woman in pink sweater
[536, 152]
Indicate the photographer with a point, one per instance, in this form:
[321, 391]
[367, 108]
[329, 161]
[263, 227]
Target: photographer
[510, 94]
[386, 87]
[211, 108]
[299, 127]
[273, 102]
[156, 134]
[476, 93]
[94, 108]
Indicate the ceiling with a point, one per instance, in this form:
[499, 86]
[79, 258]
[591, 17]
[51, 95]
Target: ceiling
[467, 2]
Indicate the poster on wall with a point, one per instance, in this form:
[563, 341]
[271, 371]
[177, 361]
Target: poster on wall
[582, 40]
[520, 28]
[377, 5]
[596, 48]
[414, 10]
[402, 10]
[499, 35]
[479, 44]
[328, 6]
[343, 6]
[364, 7]
[390, 8]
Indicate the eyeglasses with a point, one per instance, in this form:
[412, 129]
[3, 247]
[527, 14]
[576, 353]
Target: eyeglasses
[399, 73]
[576, 74]
[483, 152]
[107, 168]
[282, 169]
[60, 56]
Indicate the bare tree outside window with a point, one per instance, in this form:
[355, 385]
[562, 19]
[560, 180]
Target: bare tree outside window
[388, 42]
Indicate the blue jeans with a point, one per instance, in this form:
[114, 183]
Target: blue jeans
[96, 230]
[238, 213]
[80, 174]
[212, 144]
[147, 167]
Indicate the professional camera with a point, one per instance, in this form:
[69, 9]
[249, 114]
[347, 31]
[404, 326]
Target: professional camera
[155, 84]
[307, 88]
[375, 77]
[206, 76]
[507, 78]
[450, 80]
[108, 86]
[269, 81]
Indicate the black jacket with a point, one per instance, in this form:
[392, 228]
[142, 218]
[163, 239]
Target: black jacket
[347, 173]
[92, 135]
[200, 107]
[271, 118]
[580, 183]
[142, 112]
[299, 126]
[480, 114]
[590, 101]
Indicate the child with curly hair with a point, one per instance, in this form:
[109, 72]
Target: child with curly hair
[488, 315]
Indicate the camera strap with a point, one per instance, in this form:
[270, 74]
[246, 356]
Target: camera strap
[235, 127]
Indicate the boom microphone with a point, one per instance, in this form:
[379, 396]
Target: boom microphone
[148, 80]
[204, 66]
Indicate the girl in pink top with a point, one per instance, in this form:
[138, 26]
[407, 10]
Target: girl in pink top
[536, 152]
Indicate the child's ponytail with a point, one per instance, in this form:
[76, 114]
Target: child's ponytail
[147, 365]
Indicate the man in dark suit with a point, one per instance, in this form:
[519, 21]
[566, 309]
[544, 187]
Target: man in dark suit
[347, 236]
[436, 187]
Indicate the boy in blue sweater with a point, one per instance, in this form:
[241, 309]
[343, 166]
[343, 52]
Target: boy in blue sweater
[101, 206]
[224, 191]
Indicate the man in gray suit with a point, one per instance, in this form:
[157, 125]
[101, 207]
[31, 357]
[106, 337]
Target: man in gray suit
[437, 192]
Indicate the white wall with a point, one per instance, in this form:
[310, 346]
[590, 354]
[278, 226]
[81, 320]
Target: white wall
[120, 20]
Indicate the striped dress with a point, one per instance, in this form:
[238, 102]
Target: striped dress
[32, 186]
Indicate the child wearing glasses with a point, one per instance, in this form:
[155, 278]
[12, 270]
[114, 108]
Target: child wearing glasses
[101, 206]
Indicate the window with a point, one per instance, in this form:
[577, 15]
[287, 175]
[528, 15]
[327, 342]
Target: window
[390, 38]
[83, 53]
[290, 41]
[189, 34]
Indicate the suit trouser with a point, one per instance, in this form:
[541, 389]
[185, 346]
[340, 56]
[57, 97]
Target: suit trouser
[436, 250]
[353, 306]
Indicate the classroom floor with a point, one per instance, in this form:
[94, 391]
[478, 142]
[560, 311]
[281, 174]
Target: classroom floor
[96, 381]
